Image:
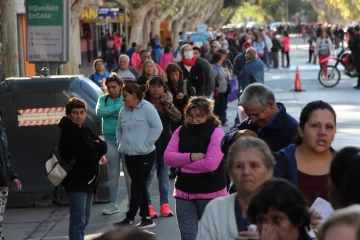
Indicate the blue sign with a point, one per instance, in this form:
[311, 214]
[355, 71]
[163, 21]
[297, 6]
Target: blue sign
[108, 13]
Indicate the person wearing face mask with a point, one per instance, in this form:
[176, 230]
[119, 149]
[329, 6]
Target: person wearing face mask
[193, 70]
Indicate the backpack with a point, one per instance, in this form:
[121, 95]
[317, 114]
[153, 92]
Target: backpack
[56, 168]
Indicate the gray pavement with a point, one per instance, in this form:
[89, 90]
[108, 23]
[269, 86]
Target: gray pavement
[52, 223]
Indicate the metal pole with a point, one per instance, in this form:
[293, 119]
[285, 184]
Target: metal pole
[126, 29]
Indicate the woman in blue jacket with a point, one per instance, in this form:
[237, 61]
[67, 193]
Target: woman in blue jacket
[139, 127]
[108, 108]
[307, 162]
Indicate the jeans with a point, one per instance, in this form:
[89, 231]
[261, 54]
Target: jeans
[283, 54]
[188, 214]
[221, 106]
[157, 58]
[139, 167]
[162, 173]
[80, 211]
[113, 158]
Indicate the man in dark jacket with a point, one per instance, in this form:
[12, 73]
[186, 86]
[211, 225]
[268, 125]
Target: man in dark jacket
[79, 144]
[7, 174]
[268, 120]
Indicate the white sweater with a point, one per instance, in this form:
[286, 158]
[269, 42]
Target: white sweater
[218, 221]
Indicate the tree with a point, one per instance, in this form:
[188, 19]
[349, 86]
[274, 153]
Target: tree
[162, 11]
[248, 11]
[77, 8]
[349, 9]
[10, 54]
[138, 9]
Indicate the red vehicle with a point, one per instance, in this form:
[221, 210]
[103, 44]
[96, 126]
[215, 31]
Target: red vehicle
[329, 75]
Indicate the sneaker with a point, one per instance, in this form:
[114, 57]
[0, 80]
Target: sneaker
[146, 223]
[125, 222]
[111, 209]
[153, 214]
[165, 211]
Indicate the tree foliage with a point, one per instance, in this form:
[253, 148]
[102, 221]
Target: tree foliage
[349, 9]
[247, 11]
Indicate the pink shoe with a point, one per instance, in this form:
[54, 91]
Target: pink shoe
[165, 211]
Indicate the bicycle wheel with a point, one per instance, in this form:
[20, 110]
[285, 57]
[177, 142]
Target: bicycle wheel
[329, 76]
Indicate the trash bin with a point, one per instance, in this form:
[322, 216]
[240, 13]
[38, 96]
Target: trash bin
[32, 108]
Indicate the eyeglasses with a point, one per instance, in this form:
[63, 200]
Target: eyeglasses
[197, 117]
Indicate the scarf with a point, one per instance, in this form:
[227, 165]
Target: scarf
[189, 63]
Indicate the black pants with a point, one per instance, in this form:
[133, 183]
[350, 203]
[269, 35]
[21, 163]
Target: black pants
[221, 102]
[311, 52]
[139, 167]
[287, 58]
[357, 66]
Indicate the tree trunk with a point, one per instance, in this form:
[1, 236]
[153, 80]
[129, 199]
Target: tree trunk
[10, 53]
[156, 26]
[178, 27]
[147, 27]
[72, 67]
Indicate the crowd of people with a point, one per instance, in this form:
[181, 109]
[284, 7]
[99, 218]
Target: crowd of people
[257, 181]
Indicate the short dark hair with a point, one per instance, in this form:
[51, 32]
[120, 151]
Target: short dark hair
[133, 44]
[166, 49]
[308, 110]
[216, 57]
[195, 47]
[134, 88]
[282, 195]
[173, 67]
[223, 51]
[345, 176]
[75, 103]
[143, 51]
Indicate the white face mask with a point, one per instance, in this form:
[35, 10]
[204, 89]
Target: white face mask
[188, 55]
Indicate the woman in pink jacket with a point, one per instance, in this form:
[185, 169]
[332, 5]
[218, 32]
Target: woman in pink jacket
[194, 150]
[166, 58]
[285, 49]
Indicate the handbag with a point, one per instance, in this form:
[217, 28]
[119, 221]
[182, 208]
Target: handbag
[56, 168]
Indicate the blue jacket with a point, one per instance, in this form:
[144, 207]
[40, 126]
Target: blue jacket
[289, 169]
[278, 134]
[253, 72]
[97, 77]
[109, 113]
[138, 129]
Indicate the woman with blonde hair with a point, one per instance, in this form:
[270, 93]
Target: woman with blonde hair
[148, 70]
[194, 150]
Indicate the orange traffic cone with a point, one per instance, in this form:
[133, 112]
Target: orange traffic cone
[298, 87]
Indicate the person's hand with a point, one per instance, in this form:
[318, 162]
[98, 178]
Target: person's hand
[163, 97]
[245, 133]
[16, 184]
[248, 234]
[197, 156]
[180, 96]
[315, 219]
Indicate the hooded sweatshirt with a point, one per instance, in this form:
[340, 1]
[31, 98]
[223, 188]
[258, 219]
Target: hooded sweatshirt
[138, 129]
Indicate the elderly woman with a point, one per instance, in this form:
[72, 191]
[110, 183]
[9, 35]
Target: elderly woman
[194, 150]
[249, 163]
[342, 224]
[279, 211]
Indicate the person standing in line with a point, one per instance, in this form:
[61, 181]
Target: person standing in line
[194, 150]
[108, 108]
[99, 73]
[166, 58]
[7, 174]
[139, 127]
[312, 44]
[80, 145]
[276, 47]
[161, 98]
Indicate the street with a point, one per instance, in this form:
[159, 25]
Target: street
[52, 223]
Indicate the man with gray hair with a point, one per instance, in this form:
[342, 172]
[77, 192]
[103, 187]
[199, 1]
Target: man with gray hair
[267, 119]
[126, 72]
[254, 68]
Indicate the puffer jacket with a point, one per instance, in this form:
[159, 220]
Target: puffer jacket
[7, 174]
